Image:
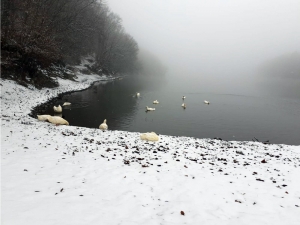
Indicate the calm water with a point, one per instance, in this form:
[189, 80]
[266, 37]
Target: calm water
[229, 116]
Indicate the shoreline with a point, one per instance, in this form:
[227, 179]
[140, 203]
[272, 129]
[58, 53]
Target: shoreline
[33, 114]
[55, 174]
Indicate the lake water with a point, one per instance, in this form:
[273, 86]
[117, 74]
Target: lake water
[230, 116]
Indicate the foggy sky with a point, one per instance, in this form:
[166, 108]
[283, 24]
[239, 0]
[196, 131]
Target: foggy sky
[212, 37]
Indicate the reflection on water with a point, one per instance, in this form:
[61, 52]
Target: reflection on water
[229, 116]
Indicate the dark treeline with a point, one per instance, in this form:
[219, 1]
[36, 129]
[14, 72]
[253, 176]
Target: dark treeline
[37, 35]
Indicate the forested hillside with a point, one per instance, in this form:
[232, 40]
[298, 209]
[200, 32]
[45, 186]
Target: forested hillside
[38, 37]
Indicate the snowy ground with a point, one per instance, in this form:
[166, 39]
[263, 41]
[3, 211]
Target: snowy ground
[72, 175]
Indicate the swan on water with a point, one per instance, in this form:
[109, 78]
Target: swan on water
[66, 104]
[57, 120]
[57, 109]
[137, 94]
[149, 136]
[183, 97]
[183, 105]
[149, 109]
[103, 126]
[206, 102]
[155, 102]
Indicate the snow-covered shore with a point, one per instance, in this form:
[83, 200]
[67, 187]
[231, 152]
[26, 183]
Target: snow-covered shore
[74, 175]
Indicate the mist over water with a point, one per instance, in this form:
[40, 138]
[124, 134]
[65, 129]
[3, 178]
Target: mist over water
[214, 50]
[216, 46]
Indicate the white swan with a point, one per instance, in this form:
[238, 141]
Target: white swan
[183, 105]
[57, 109]
[57, 120]
[206, 102]
[43, 117]
[155, 102]
[137, 94]
[66, 104]
[103, 126]
[149, 109]
[149, 136]
[183, 97]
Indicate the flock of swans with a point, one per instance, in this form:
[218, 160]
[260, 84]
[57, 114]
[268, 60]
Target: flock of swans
[152, 136]
[156, 102]
[58, 120]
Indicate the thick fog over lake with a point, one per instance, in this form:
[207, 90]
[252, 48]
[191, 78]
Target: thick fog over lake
[241, 56]
[216, 46]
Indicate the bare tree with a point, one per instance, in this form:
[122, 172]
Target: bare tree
[36, 34]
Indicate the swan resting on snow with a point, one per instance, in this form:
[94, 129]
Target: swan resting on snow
[183, 105]
[155, 102]
[57, 109]
[149, 109]
[57, 120]
[43, 117]
[149, 136]
[66, 104]
[103, 126]
[206, 102]
[53, 119]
